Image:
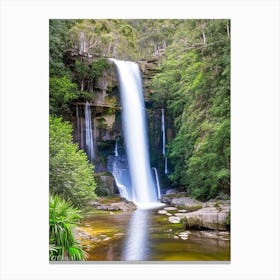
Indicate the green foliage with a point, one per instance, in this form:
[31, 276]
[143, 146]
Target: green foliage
[70, 173]
[194, 85]
[98, 67]
[86, 72]
[112, 38]
[62, 218]
[81, 68]
[58, 30]
[152, 35]
[62, 93]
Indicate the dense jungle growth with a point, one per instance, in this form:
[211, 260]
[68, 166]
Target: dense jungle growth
[191, 82]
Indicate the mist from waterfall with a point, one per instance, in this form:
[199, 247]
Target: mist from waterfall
[163, 131]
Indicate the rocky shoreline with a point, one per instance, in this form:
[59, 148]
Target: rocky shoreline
[213, 214]
[179, 208]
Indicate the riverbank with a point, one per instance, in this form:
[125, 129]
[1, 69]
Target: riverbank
[162, 233]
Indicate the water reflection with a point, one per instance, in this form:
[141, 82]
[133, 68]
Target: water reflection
[136, 246]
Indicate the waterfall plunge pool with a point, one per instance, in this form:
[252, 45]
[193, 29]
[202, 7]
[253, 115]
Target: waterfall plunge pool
[146, 235]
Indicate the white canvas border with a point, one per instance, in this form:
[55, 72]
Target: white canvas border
[24, 138]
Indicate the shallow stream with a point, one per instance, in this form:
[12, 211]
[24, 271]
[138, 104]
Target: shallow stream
[146, 235]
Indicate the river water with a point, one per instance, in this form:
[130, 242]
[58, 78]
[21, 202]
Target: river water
[146, 235]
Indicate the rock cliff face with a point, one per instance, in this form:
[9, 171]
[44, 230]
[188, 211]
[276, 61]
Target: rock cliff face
[105, 107]
[149, 68]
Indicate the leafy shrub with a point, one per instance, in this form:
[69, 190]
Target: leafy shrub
[70, 174]
[62, 93]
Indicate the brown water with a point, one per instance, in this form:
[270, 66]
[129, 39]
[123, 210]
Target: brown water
[146, 235]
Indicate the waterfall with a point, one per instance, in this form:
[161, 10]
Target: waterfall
[165, 166]
[163, 141]
[163, 132]
[117, 176]
[116, 171]
[157, 182]
[117, 165]
[78, 124]
[116, 149]
[89, 139]
[135, 133]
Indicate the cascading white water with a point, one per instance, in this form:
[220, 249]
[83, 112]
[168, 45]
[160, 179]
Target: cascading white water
[157, 182]
[117, 165]
[163, 132]
[117, 176]
[163, 141]
[135, 133]
[116, 149]
[89, 139]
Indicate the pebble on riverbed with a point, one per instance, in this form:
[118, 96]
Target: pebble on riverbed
[162, 212]
[184, 235]
[174, 219]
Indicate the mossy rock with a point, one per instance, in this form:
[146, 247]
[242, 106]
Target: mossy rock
[106, 185]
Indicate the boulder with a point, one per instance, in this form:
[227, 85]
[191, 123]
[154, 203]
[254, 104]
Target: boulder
[115, 206]
[105, 184]
[188, 203]
[209, 217]
[171, 191]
